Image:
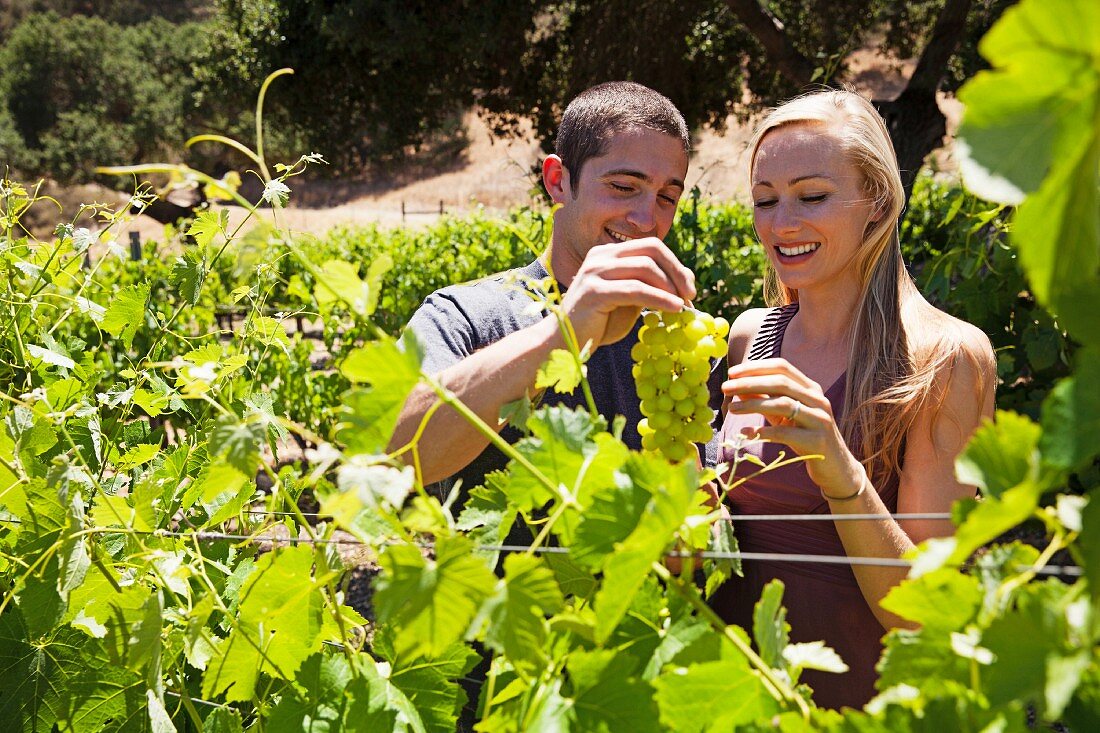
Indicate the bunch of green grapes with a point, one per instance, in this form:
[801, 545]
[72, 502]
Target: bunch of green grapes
[671, 366]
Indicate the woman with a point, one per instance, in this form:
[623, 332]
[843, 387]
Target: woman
[853, 366]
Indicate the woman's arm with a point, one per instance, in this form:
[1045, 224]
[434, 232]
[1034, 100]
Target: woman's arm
[779, 391]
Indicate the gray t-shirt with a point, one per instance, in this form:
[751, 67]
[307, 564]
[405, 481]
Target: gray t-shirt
[458, 320]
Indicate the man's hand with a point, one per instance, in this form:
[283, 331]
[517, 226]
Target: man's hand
[617, 280]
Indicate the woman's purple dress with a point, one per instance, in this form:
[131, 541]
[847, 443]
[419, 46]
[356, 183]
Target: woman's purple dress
[823, 601]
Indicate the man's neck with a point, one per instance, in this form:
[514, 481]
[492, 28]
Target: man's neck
[561, 262]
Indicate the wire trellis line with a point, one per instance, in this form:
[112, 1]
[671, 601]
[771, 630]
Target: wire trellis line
[202, 536]
[912, 516]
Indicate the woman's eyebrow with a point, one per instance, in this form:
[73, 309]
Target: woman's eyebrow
[795, 180]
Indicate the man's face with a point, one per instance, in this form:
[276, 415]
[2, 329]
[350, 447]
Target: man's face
[629, 192]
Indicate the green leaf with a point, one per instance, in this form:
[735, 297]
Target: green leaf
[671, 490]
[126, 313]
[1036, 658]
[223, 720]
[1030, 127]
[488, 516]
[993, 517]
[239, 443]
[517, 621]
[769, 624]
[329, 694]
[712, 696]
[47, 356]
[1000, 454]
[278, 626]
[189, 273]
[560, 371]
[1088, 543]
[920, 659]
[66, 680]
[370, 413]
[206, 225]
[430, 603]
[429, 682]
[945, 599]
[813, 655]
[339, 281]
[136, 456]
[721, 540]
[1071, 415]
[606, 695]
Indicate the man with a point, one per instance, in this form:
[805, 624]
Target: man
[618, 173]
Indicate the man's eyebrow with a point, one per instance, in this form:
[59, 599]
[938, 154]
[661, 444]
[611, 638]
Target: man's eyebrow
[634, 173]
[795, 180]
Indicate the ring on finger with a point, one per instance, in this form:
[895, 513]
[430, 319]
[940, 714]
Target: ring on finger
[795, 411]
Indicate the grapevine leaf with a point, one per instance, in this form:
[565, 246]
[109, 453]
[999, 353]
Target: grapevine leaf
[429, 683]
[992, 517]
[1083, 711]
[813, 655]
[136, 456]
[159, 720]
[488, 516]
[606, 696]
[1071, 415]
[339, 282]
[721, 540]
[573, 580]
[329, 695]
[239, 443]
[924, 660]
[430, 603]
[279, 626]
[126, 313]
[223, 720]
[712, 696]
[66, 680]
[1000, 454]
[945, 599]
[276, 193]
[1089, 543]
[48, 356]
[517, 621]
[1035, 660]
[1030, 127]
[685, 632]
[559, 447]
[560, 371]
[215, 479]
[370, 413]
[206, 225]
[188, 274]
[671, 490]
[769, 624]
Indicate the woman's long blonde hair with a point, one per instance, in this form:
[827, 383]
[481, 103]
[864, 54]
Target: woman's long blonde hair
[888, 381]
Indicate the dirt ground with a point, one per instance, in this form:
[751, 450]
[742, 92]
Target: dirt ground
[495, 175]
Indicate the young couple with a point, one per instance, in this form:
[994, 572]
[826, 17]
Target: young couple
[850, 363]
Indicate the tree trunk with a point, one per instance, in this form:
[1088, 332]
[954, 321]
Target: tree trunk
[916, 125]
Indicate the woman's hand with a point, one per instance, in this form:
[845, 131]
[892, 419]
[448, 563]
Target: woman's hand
[798, 416]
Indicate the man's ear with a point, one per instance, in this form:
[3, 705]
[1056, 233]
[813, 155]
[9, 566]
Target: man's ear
[555, 176]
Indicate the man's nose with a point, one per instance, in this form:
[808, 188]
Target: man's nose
[643, 215]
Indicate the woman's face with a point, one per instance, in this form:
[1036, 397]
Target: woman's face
[809, 207]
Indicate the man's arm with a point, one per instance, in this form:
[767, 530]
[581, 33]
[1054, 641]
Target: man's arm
[611, 288]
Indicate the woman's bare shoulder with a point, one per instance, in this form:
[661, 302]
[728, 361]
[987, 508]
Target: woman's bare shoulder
[742, 331]
[930, 328]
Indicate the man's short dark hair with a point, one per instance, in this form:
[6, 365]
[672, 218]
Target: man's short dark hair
[598, 114]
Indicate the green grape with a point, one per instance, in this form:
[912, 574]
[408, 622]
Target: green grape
[671, 370]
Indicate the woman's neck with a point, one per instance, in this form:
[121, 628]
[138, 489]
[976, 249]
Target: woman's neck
[826, 316]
